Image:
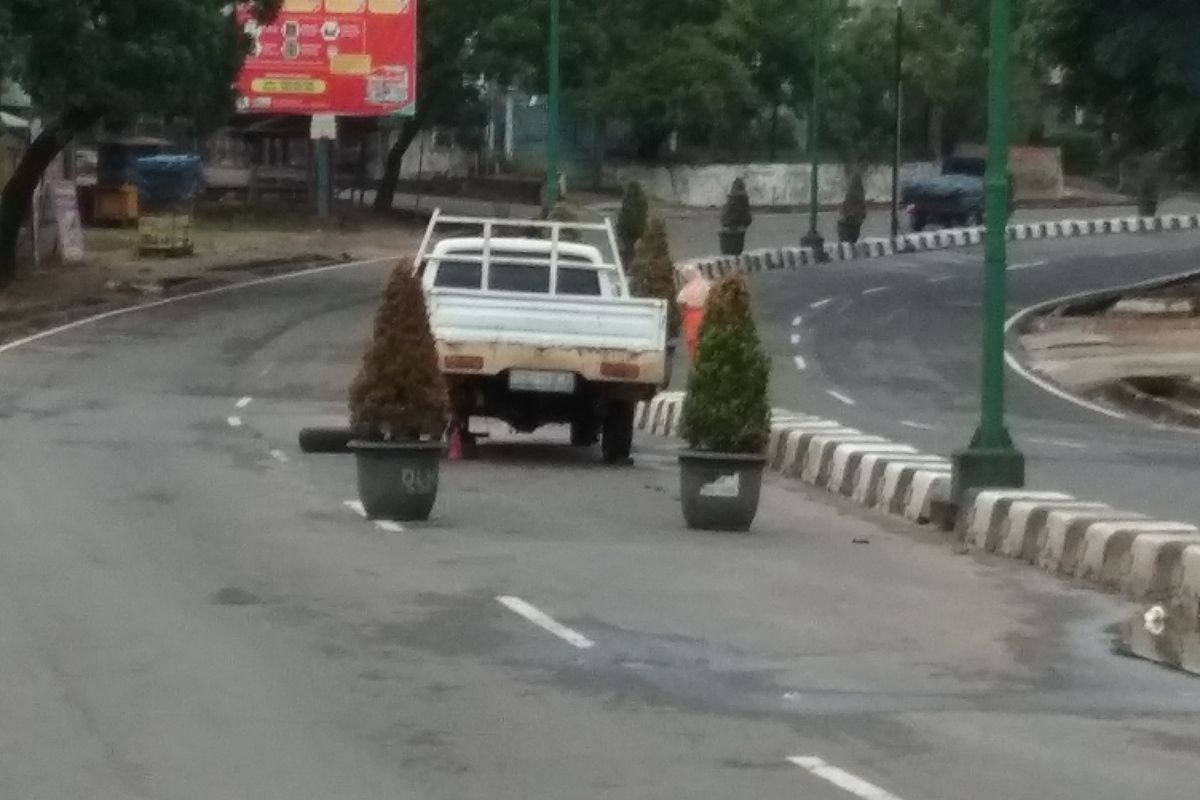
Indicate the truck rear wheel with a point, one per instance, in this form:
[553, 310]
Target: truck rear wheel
[617, 439]
[583, 430]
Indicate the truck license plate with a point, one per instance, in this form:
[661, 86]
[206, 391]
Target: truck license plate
[534, 380]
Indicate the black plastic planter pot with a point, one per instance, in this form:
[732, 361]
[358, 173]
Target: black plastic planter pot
[849, 230]
[397, 480]
[719, 491]
[732, 242]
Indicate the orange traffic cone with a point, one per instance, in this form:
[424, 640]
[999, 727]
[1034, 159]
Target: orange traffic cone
[455, 451]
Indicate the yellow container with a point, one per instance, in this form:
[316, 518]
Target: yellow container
[116, 204]
[165, 234]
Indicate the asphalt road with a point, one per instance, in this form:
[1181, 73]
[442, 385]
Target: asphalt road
[891, 346]
[189, 610]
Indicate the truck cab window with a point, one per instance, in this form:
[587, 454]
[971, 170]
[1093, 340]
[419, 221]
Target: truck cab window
[458, 275]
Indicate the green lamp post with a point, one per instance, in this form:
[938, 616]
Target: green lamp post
[552, 110]
[813, 239]
[991, 460]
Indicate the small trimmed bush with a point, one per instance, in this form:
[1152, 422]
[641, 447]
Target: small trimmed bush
[632, 219]
[653, 273]
[399, 394]
[735, 215]
[854, 204]
[563, 211]
[726, 409]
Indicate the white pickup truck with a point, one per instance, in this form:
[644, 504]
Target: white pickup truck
[534, 330]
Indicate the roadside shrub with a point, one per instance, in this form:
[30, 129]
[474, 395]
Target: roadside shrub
[563, 211]
[399, 394]
[632, 219]
[726, 409]
[854, 204]
[736, 215]
[653, 272]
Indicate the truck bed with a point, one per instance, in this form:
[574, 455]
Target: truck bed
[581, 334]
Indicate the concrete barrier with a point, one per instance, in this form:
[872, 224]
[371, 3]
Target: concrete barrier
[1105, 552]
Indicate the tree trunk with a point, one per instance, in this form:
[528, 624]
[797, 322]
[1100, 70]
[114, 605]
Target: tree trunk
[774, 132]
[17, 198]
[385, 192]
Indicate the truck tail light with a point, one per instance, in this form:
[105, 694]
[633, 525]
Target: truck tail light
[613, 369]
[471, 363]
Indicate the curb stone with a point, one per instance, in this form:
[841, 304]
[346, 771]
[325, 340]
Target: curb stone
[1146, 559]
[797, 257]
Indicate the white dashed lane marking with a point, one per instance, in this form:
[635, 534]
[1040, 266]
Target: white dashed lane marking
[842, 779]
[245, 401]
[797, 321]
[795, 339]
[234, 422]
[921, 426]
[355, 506]
[824, 301]
[801, 364]
[874, 290]
[279, 456]
[545, 621]
[841, 398]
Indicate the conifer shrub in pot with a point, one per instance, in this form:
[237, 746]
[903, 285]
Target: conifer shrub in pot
[726, 416]
[735, 219]
[652, 274]
[398, 406]
[854, 207]
[632, 220]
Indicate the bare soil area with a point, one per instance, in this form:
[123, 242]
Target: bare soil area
[232, 244]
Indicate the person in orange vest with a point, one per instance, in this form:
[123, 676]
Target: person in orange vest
[691, 300]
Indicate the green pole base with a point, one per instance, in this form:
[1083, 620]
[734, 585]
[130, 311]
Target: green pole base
[985, 468]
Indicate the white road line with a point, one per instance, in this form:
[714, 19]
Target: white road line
[824, 301]
[842, 779]
[801, 364]
[120, 312]
[797, 321]
[356, 506]
[921, 426]
[389, 526]
[545, 621]
[1067, 443]
[795, 339]
[939, 279]
[245, 401]
[1029, 265]
[234, 422]
[279, 456]
[841, 398]
[1045, 385]
[874, 290]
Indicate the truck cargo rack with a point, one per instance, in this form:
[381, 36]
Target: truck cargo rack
[488, 227]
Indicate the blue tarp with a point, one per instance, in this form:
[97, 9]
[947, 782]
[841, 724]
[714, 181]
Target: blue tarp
[167, 182]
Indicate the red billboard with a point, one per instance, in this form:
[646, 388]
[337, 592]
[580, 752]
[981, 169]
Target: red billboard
[345, 57]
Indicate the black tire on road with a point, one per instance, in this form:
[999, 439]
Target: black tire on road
[616, 441]
[325, 440]
[583, 431]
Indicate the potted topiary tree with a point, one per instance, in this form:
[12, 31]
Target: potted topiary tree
[735, 219]
[653, 273]
[631, 220]
[726, 416]
[854, 206]
[398, 406]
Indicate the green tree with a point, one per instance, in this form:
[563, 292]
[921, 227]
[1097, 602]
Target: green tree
[726, 408]
[104, 62]
[1135, 65]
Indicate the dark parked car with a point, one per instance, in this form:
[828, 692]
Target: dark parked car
[953, 199]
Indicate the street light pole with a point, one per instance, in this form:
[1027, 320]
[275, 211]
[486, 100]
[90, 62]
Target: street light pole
[552, 111]
[813, 239]
[899, 105]
[991, 460]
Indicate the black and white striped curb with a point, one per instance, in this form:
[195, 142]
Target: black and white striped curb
[1150, 561]
[796, 257]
